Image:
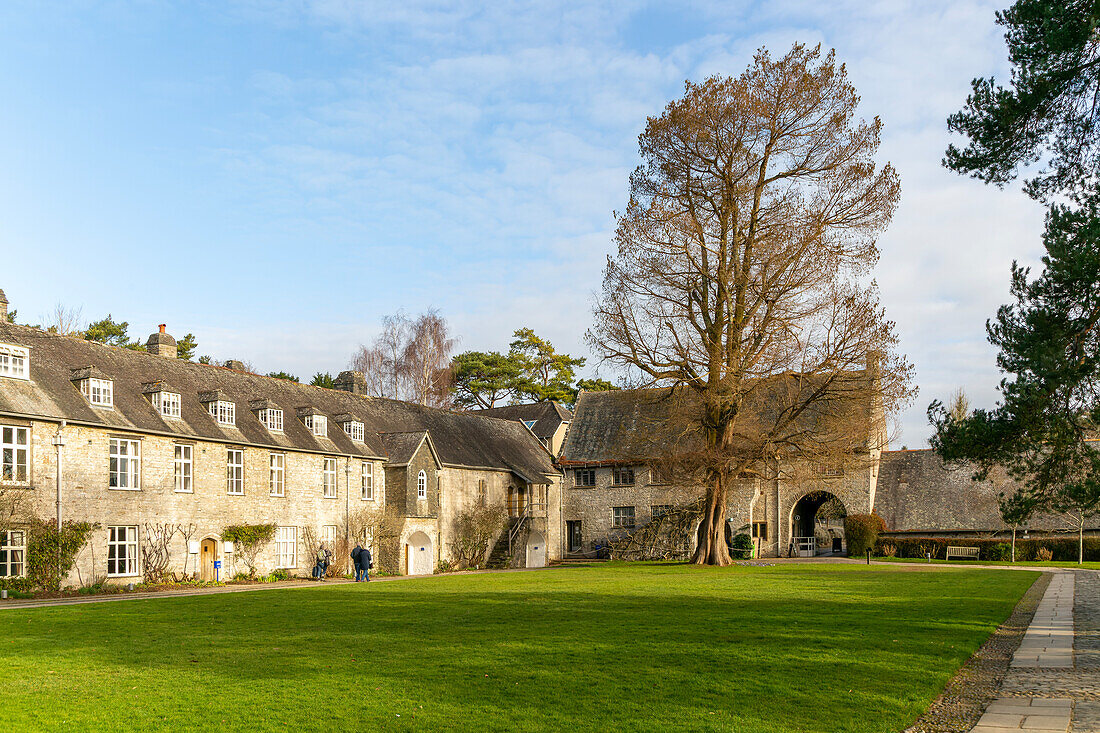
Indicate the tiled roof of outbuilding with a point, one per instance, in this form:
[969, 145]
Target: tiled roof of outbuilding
[461, 439]
[547, 416]
[633, 425]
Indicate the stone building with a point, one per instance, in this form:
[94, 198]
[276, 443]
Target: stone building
[549, 420]
[146, 440]
[919, 495]
[614, 483]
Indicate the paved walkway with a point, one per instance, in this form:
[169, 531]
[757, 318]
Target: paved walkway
[13, 603]
[1053, 683]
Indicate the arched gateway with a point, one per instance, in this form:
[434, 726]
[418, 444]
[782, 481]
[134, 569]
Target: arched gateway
[817, 525]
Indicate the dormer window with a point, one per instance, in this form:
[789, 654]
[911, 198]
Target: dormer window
[163, 399]
[221, 409]
[317, 424]
[270, 416]
[352, 427]
[15, 362]
[314, 421]
[167, 403]
[94, 385]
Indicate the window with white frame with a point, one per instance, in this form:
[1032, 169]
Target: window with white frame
[622, 516]
[14, 457]
[272, 418]
[183, 468]
[98, 391]
[234, 471]
[167, 403]
[122, 551]
[15, 362]
[584, 477]
[286, 547]
[13, 553]
[224, 412]
[368, 481]
[317, 424]
[328, 535]
[328, 475]
[277, 481]
[421, 485]
[355, 430]
[125, 464]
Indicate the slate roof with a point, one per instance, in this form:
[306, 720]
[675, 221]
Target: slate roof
[547, 416]
[633, 425]
[917, 493]
[461, 439]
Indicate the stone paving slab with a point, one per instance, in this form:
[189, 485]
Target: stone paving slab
[1037, 715]
[1048, 643]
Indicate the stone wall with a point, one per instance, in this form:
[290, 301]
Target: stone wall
[774, 501]
[208, 507]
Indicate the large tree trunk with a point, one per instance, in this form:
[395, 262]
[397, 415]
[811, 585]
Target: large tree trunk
[711, 547]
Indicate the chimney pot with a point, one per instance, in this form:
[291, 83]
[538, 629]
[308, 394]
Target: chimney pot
[161, 327]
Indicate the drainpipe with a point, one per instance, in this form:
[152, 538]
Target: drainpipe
[347, 499]
[59, 443]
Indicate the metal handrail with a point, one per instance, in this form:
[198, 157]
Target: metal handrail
[520, 521]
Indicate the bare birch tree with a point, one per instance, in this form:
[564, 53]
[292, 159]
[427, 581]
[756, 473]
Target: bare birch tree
[740, 278]
[409, 359]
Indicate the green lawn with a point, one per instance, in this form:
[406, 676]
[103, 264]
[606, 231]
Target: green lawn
[1087, 565]
[612, 647]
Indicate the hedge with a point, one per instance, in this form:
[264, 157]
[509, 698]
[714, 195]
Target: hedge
[1064, 547]
[861, 531]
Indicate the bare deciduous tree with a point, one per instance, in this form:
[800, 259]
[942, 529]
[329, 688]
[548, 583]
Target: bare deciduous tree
[475, 529]
[960, 405]
[409, 359]
[156, 550]
[63, 320]
[740, 279]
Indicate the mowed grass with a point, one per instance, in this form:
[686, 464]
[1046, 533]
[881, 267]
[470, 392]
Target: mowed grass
[614, 647]
[1087, 565]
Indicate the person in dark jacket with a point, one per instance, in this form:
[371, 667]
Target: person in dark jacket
[366, 562]
[356, 554]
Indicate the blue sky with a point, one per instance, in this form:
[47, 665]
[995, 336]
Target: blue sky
[275, 177]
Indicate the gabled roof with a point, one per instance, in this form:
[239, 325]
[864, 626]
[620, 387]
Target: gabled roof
[460, 439]
[401, 447]
[635, 425]
[545, 416]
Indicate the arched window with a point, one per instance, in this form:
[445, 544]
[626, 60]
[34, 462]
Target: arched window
[421, 485]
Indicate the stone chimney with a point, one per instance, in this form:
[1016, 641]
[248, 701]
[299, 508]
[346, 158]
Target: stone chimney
[161, 344]
[236, 365]
[353, 382]
[3, 307]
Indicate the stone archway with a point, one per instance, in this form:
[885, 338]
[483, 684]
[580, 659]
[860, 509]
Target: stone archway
[418, 554]
[817, 525]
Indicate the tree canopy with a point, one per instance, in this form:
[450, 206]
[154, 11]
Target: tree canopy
[740, 273]
[1047, 338]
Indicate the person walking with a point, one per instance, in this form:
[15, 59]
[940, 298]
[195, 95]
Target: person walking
[356, 554]
[366, 562]
[322, 562]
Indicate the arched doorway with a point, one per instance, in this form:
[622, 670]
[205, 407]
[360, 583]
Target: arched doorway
[418, 554]
[208, 553]
[817, 525]
[536, 550]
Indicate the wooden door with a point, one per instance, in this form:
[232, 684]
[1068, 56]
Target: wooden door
[209, 553]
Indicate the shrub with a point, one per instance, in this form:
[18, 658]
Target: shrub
[862, 531]
[42, 550]
[446, 566]
[888, 550]
[741, 546]
[1044, 554]
[999, 551]
[248, 540]
[280, 574]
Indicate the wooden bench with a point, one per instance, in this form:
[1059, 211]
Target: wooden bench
[963, 553]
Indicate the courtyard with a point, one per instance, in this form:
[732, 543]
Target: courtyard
[615, 646]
